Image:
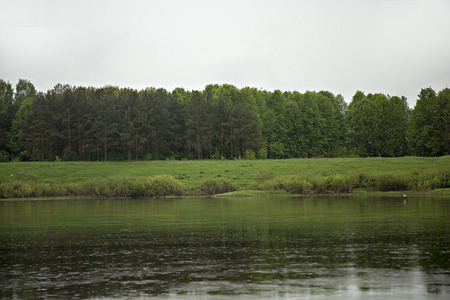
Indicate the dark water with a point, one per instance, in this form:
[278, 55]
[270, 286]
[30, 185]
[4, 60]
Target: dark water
[302, 248]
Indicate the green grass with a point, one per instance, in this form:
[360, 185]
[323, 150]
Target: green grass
[323, 175]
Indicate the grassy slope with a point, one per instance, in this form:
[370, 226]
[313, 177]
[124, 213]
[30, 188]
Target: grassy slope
[242, 172]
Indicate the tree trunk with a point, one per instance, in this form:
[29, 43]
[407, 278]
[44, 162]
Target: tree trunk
[68, 129]
[199, 145]
[231, 142]
[135, 150]
[42, 145]
[221, 138]
[80, 145]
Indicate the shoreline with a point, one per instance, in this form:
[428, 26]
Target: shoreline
[247, 194]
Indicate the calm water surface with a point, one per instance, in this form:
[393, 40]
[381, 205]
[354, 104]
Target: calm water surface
[239, 248]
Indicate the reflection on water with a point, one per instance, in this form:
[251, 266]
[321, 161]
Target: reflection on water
[336, 248]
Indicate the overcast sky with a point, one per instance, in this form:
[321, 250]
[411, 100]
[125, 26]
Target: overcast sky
[396, 47]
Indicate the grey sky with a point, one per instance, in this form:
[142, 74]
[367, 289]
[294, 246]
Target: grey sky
[392, 46]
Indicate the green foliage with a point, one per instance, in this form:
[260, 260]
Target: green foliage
[264, 174]
[24, 89]
[114, 186]
[296, 184]
[16, 189]
[196, 124]
[340, 183]
[69, 155]
[299, 184]
[126, 186]
[277, 150]
[430, 124]
[16, 135]
[111, 123]
[320, 172]
[433, 179]
[444, 102]
[378, 125]
[216, 155]
[219, 185]
[375, 181]
[249, 154]
[390, 181]
[26, 184]
[262, 153]
[4, 156]
[164, 185]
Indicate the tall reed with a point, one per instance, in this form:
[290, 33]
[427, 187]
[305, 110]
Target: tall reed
[125, 186]
[218, 185]
[373, 181]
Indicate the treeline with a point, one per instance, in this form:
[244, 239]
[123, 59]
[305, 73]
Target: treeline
[220, 122]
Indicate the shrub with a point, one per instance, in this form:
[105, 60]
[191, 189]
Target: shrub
[291, 183]
[15, 189]
[433, 179]
[105, 187]
[4, 156]
[320, 172]
[125, 186]
[340, 183]
[212, 186]
[26, 176]
[27, 184]
[117, 156]
[389, 181]
[318, 183]
[216, 155]
[264, 174]
[163, 185]
[262, 153]
[298, 185]
[428, 184]
[69, 155]
[43, 189]
[361, 179]
[345, 183]
[249, 154]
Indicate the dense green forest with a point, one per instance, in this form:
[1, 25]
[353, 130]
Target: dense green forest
[220, 122]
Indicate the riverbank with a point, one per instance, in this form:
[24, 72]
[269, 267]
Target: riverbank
[211, 177]
[357, 192]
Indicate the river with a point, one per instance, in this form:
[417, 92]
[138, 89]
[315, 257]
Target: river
[226, 248]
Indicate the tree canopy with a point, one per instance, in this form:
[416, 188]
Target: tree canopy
[220, 122]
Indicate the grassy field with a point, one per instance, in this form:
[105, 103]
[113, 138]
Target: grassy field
[324, 175]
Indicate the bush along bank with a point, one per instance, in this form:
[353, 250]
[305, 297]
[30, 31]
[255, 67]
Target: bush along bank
[120, 186]
[108, 187]
[25, 185]
[213, 186]
[375, 181]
